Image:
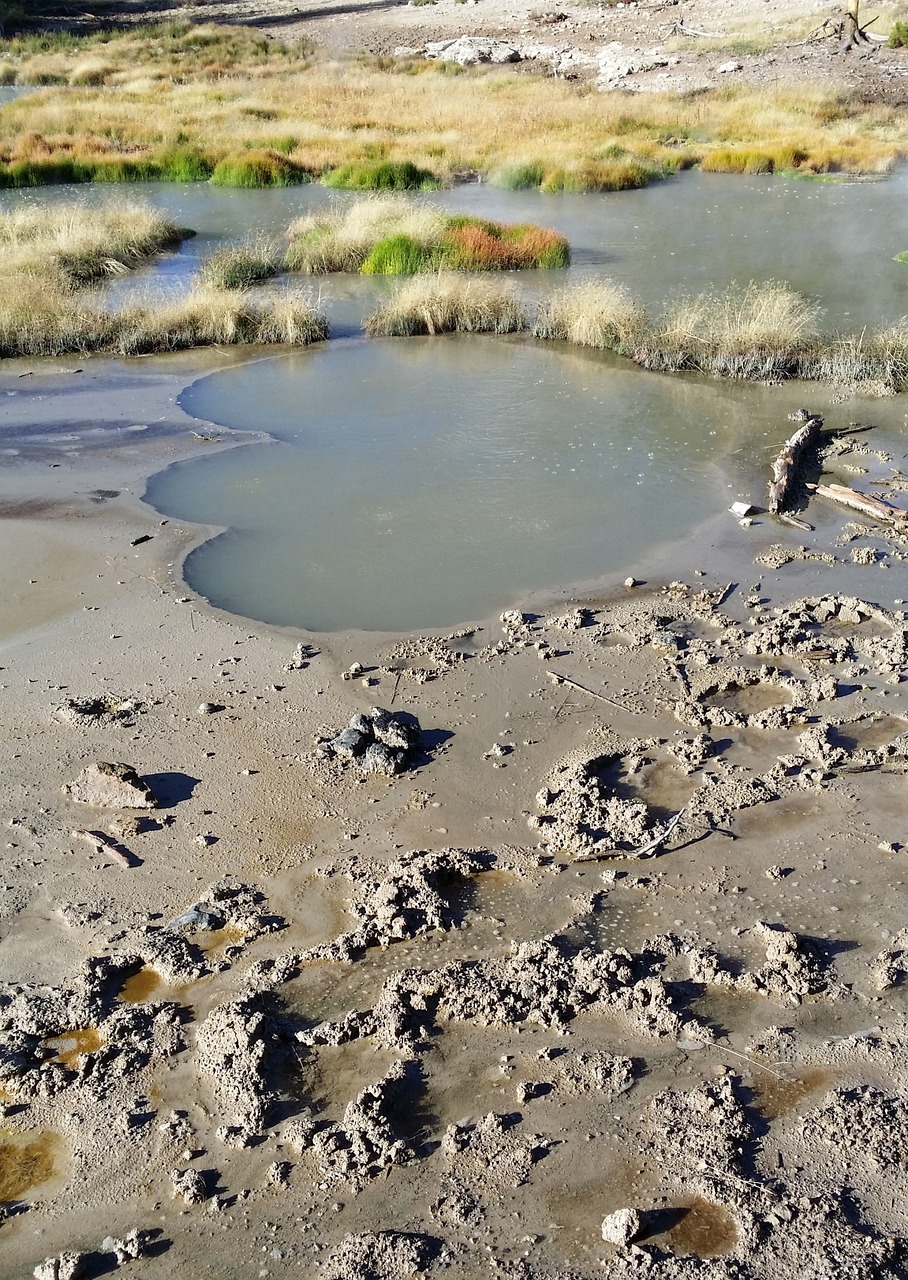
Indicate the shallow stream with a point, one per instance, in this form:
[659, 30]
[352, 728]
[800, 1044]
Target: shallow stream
[430, 482]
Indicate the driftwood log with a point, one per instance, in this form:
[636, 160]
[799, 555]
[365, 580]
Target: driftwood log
[785, 467]
[865, 503]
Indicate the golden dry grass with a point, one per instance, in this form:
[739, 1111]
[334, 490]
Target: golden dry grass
[341, 239]
[448, 303]
[323, 114]
[50, 256]
[594, 313]
[78, 243]
[765, 332]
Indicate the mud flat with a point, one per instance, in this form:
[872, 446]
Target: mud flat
[369, 995]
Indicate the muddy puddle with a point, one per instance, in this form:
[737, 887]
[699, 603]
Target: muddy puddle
[749, 699]
[776, 1096]
[704, 1229]
[141, 987]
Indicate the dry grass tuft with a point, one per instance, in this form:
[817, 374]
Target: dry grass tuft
[761, 331]
[240, 266]
[595, 313]
[51, 255]
[81, 244]
[448, 303]
[209, 316]
[343, 239]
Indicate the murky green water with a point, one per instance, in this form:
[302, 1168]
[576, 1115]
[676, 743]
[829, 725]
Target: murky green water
[428, 482]
[833, 241]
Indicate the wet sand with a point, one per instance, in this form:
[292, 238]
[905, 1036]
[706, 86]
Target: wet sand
[444, 1022]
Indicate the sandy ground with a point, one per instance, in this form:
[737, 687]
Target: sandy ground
[333, 1023]
[677, 45]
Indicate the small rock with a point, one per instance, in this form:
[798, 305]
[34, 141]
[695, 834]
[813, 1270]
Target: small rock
[133, 1245]
[190, 1184]
[631, 582]
[106, 785]
[725, 68]
[208, 708]
[621, 1227]
[66, 1266]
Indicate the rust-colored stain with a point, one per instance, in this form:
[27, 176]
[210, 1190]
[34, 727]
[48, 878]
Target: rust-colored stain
[707, 1230]
[74, 1044]
[140, 987]
[776, 1097]
[25, 1161]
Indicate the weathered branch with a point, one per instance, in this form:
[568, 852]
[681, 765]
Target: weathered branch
[785, 467]
[863, 502]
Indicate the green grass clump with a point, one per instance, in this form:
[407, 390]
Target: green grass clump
[240, 266]
[183, 164]
[174, 165]
[399, 255]
[394, 236]
[898, 35]
[902, 257]
[258, 168]
[384, 175]
[519, 177]
[448, 303]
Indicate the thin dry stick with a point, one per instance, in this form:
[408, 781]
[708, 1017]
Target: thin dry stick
[574, 684]
[649, 847]
[761, 1066]
[652, 845]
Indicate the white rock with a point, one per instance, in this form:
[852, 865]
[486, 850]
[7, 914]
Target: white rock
[725, 68]
[621, 1227]
[468, 50]
[66, 1266]
[106, 785]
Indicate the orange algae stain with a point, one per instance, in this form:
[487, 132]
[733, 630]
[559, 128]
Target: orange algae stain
[25, 1161]
[139, 987]
[74, 1044]
[776, 1097]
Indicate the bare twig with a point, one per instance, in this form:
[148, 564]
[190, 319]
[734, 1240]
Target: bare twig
[650, 847]
[102, 843]
[761, 1066]
[558, 678]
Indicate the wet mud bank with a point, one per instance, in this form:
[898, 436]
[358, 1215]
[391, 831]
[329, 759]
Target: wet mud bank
[494, 1008]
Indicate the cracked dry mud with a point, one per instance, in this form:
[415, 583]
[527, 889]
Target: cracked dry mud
[448, 1021]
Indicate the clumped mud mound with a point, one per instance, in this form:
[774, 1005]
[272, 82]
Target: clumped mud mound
[482, 1043]
[381, 1255]
[402, 899]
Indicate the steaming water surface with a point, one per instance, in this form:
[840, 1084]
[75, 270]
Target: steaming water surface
[425, 483]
